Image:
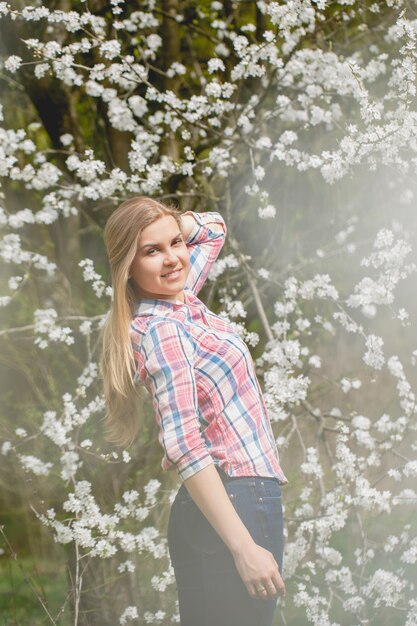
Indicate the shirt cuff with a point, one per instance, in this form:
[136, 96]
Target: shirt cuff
[194, 461]
[203, 219]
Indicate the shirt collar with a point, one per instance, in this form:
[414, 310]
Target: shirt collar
[155, 306]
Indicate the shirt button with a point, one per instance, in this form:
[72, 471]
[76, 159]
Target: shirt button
[260, 499]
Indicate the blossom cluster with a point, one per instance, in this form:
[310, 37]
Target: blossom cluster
[276, 95]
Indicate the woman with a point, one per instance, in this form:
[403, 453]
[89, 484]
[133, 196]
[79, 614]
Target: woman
[225, 530]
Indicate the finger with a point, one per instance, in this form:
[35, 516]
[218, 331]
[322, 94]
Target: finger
[252, 590]
[264, 594]
[260, 590]
[270, 588]
[279, 584]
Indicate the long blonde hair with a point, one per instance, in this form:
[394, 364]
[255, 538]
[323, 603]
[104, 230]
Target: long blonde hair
[122, 396]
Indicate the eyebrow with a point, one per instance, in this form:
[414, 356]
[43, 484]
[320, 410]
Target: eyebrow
[155, 245]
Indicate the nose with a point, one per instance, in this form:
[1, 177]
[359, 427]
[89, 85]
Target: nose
[170, 257]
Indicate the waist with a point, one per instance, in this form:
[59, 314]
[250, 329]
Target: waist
[226, 478]
[249, 481]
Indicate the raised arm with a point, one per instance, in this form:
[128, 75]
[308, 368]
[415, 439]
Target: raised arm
[204, 234]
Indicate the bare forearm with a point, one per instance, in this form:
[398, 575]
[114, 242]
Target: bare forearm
[187, 225]
[256, 566]
[208, 492]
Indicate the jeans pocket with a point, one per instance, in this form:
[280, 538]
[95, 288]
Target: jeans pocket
[270, 509]
[197, 530]
[271, 519]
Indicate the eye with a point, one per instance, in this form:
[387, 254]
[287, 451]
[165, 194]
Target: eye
[176, 241]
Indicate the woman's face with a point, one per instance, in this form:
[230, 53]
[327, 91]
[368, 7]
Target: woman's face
[162, 262]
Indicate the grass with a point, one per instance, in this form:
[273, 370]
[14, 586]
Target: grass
[21, 581]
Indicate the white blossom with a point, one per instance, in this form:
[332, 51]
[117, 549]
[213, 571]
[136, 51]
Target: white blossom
[384, 588]
[13, 63]
[48, 330]
[267, 212]
[33, 464]
[215, 65]
[312, 465]
[6, 446]
[110, 49]
[66, 139]
[126, 566]
[374, 356]
[90, 275]
[287, 111]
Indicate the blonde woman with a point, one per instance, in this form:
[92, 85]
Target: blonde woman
[225, 530]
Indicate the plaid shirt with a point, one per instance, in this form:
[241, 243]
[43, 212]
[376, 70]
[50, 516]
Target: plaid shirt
[207, 400]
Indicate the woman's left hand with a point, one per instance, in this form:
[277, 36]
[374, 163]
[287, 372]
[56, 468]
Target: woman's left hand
[259, 571]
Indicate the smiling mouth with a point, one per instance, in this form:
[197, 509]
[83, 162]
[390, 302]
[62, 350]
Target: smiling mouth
[173, 273]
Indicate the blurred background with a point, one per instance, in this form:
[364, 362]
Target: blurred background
[320, 227]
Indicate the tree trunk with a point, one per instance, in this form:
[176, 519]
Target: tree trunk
[170, 52]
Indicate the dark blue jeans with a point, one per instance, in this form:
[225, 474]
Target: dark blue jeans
[210, 590]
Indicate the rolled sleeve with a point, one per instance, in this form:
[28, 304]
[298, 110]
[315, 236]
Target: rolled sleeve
[204, 245]
[169, 367]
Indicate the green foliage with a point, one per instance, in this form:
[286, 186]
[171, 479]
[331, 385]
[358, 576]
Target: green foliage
[23, 582]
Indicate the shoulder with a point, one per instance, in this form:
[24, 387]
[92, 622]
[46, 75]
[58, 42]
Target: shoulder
[155, 330]
[168, 324]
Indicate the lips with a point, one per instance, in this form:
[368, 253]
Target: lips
[176, 271]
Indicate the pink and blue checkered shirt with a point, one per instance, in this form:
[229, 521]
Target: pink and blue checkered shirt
[207, 399]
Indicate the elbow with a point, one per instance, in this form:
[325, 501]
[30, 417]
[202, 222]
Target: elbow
[195, 458]
[193, 463]
[218, 228]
